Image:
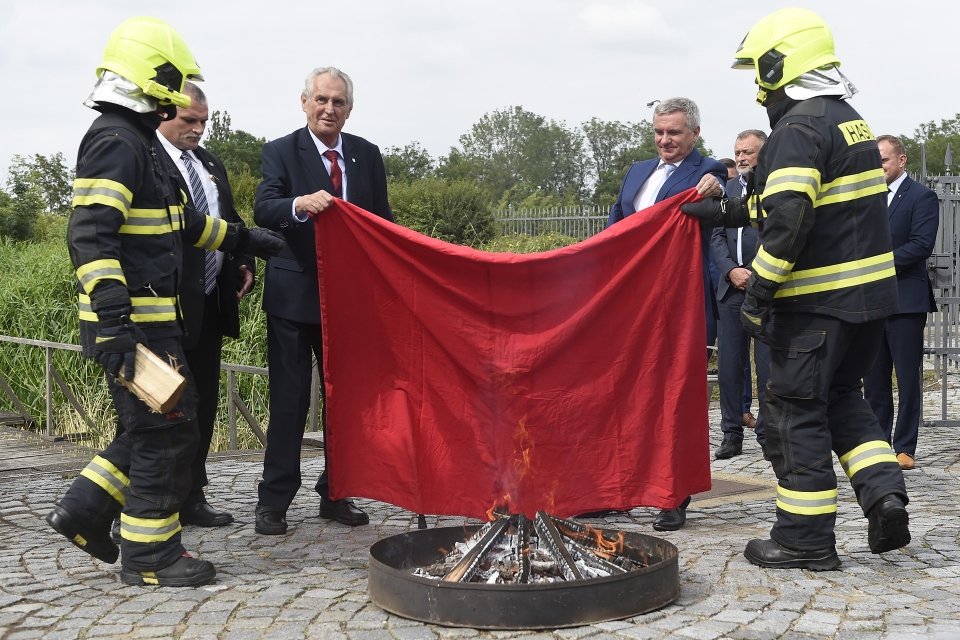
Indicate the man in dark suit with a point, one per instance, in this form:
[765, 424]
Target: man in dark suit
[211, 286]
[678, 167]
[302, 173]
[914, 220]
[735, 249]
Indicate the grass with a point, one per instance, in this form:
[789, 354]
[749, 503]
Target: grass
[38, 301]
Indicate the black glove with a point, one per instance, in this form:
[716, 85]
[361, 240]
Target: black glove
[117, 338]
[260, 243]
[719, 212]
[755, 315]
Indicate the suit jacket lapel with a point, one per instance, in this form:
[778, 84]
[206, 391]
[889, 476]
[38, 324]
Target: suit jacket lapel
[899, 195]
[632, 188]
[316, 172]
[687, 167]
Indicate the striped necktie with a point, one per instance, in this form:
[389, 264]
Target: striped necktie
[200, 200]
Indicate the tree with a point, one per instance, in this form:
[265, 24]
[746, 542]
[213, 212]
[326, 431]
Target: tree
[410, 163]
[238, 150]
[48, 177]
[18, 214]
[521, 152]
[935, 139]
[615, 146]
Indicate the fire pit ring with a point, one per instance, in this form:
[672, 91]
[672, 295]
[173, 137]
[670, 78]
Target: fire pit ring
[553, 605]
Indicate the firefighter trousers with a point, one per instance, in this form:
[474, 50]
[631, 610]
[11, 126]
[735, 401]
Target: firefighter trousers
[144, 474]
[815, 405]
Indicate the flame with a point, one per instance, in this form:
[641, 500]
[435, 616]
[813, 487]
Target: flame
[594, 537]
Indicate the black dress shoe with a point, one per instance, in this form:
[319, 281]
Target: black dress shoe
[96, 543]
[728, 449]
[270, 521]
[670, 519]
[767, 553]
[203, 515]
[185, 572]
[889, 525]
[343, 511]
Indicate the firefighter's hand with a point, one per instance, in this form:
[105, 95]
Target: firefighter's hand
[260, 243]
[755, 315]
[117, 338]
[709, 210]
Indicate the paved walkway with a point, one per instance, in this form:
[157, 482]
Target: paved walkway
[311, 583]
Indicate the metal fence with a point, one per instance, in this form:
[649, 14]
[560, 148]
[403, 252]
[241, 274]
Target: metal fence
[235, 403]
[577, 222]
[943, 326]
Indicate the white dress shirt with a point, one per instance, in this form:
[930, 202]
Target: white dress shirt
[647, 195]
[322, 149]
[209, 183]
[893, 186]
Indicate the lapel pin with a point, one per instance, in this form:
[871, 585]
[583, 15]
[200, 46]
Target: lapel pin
[353, 159]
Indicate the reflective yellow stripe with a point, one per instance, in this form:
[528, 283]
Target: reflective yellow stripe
[93, 272]
[753, 206]
[802, 179]
[149, 529]
[771, 268]
[103, 473]
[807, 503]
[856, 131]
[147, 222]
[214, 231]
[847, 188]
[87, 191]
[867, 454]
[176, 217]
[838, 276]
[143, 309]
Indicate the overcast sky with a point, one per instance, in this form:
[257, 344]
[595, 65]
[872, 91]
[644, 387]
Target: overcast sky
[426, 70]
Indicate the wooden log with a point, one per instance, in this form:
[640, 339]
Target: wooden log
[154, 381]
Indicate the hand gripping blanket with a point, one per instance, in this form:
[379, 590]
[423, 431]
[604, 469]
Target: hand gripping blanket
[458, 380]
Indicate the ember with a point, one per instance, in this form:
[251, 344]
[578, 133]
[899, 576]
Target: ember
[511, 551]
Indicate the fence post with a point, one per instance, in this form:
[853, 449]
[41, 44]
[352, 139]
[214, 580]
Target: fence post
[314, 397]
[232, 408]
[49, 377]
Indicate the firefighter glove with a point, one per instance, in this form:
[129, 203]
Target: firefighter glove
[719, 212]
[117, 338]
[755, 315]
[260, 243]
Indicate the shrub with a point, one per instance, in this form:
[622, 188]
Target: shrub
[521, 243]
[457, 211]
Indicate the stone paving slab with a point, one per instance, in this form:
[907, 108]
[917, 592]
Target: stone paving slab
[311, 582]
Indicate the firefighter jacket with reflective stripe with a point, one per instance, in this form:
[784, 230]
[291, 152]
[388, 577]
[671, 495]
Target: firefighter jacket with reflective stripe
[126, 231]
[825, 239]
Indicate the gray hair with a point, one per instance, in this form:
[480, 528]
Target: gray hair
[753, 132]
[195, 93]
[334, 73]
[689, 107]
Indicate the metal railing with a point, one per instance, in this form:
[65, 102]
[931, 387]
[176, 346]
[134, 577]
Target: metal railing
[577, 222]
[942, 339]
[235, 403]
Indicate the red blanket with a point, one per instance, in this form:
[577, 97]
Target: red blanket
[459, 380]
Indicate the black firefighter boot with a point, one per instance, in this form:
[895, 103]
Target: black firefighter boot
[96, 543]
[187, 571]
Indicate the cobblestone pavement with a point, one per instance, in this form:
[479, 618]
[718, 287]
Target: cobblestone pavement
[312, 582]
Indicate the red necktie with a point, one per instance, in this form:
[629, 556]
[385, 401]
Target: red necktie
[336, 176]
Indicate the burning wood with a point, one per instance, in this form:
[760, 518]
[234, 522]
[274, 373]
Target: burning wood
[515, 551]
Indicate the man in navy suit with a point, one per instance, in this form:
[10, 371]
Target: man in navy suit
[914, 220]
[302, 174]
[735, 250]
[678, 167]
